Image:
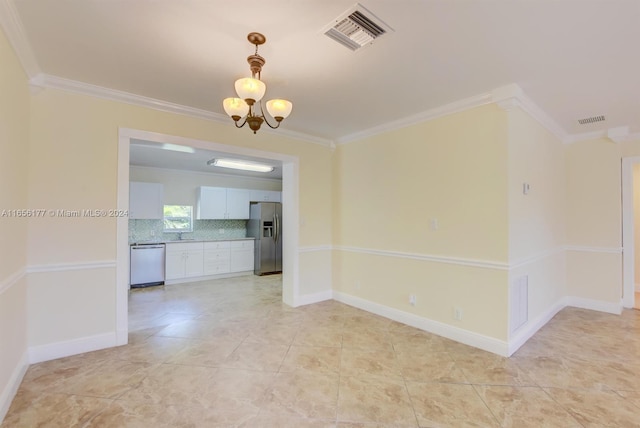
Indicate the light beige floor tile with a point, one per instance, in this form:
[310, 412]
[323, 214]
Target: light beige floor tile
[290, 395]
[141, 321]
[525, 407]
[449, 405]
[429, 367]
[32, 409]
[136, 336]
[374, 399]
[631, 396]
[243, 384]
[363, 425]
[319, 336]
[224, 314]
[312, 358]
[106, 379]
[421, 343]
[154, 349]
[367, 321]
[127, 414]
[575, 372]
[366, 338]
[274, 334]
[597, 408]
[204, 353]
[257, 356]
[170, 384]
[480, 367]
[333, 323]
[280, 421]
[369, 362]
[190, 329]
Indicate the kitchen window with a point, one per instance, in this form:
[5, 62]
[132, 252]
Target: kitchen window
[178, 218]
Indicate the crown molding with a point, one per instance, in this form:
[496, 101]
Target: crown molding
[506, 97]
[47, 81]
[585, 136]
[54, 82]
[434, 113]
[13, 28]
[512, 96]
[617, 135]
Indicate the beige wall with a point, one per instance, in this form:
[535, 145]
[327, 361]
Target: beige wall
[536, 219]
[14, 143]
[594, 229]
[73, 155]
[388, 190]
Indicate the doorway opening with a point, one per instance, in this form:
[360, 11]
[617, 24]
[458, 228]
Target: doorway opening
[630, 231]
[290, 215]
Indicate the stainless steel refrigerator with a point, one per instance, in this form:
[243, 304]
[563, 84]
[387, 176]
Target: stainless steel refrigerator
[265, 225]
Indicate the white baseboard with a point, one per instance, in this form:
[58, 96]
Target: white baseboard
[595, 305]
[10, 389]
[525, 332]
[308, 299]
[52, 351]
[476, 340]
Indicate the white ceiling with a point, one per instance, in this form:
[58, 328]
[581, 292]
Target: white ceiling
[572, 58]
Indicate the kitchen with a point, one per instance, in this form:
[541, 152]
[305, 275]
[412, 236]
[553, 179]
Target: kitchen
[190, 220]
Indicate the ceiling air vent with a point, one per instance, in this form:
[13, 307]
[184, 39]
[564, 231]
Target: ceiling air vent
[356, 28]
[593, 119]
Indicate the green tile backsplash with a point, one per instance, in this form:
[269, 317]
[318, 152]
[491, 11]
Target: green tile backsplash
[151, 230]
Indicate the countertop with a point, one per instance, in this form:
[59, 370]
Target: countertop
[184, 241]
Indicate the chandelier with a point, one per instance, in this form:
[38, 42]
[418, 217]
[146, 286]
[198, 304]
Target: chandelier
[250, 91]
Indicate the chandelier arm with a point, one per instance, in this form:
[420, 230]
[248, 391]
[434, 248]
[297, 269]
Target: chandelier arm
[243, 123]
[264, 116]
[267, 122]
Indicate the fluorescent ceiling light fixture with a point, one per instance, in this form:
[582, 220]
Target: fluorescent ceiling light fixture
[241, 164]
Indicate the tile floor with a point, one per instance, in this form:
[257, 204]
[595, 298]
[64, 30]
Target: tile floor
[228, 353]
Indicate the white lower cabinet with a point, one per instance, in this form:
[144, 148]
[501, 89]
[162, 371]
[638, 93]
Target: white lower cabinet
[242, 255]
[216, 258]
[197, 259]
[184, 260]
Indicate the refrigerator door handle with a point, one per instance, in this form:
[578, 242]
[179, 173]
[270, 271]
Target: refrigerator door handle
[276, 224]
[275, 229]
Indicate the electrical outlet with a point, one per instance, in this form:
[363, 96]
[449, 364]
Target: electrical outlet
[457, 313]
[412, 299]
[434, 224]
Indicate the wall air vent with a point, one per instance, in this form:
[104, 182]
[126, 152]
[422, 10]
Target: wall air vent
[593, 119]
[356, 28]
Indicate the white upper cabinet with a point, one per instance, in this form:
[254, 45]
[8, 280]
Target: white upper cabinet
[218, 203]
[238, 203]
[265, 196]
[145, 200]
[212, 203]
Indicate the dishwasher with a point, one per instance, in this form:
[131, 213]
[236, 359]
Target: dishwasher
[147, 265]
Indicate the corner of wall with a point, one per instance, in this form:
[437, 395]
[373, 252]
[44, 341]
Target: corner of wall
[11, 387]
